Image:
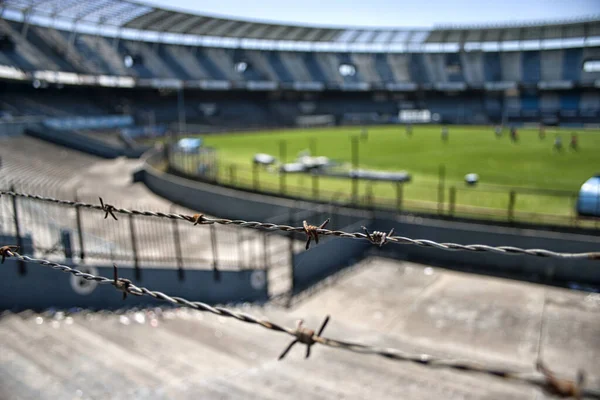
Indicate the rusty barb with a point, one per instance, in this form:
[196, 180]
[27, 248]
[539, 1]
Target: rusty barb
[305, 336]
[197, 219]
[7, 251]
[108, 209]
[377, 237]
[121, 284]
[562, 387]
[312, 231]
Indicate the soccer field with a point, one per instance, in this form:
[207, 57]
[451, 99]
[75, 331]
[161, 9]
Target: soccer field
[502, 165]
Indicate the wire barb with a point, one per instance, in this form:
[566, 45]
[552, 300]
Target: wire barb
[197, 219]
[108, 209]
[378, 237]
[304, 336]
[121, 284]
[312, 231]
[562, 387]
[7, 251]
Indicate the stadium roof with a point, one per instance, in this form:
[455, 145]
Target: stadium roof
[143, 20]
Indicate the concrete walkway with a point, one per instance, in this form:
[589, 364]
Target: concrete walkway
[179, 354]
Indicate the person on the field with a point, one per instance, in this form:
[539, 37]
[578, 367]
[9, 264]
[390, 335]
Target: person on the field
[558, 143]
[513, 134]
[445, 133]
[498, 131]
[574, 141]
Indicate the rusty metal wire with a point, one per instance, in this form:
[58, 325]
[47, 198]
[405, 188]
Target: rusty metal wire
[544, 379]
[313, 232]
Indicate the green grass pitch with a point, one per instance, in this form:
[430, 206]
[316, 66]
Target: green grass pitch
[501, 164]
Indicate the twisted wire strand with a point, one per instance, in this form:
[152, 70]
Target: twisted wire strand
[202, 220]
[427, 360]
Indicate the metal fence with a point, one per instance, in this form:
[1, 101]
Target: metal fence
[61, 232]
[442, 197]
[87, 236]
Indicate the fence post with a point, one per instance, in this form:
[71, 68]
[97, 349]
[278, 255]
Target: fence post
[573, 202]
[21, 264]
[232, 174]
[266, 249]
[441, 185]
[213, 242]
[65, 238]
[79, 229]
[282, 157]
[291, 255]
[399, 195]
[511, 205]
[315, 186]
[369, 195]
[355, 169]
[240, 247]
[452, 201]
[136, 264]
[177, 243]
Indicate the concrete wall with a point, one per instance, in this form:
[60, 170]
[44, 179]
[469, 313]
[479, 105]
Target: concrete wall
[83, 143]
[331, 255]
[231, 203]
[43, 287]
[551, 270]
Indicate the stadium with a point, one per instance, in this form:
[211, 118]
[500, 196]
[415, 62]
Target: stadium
[428, 197]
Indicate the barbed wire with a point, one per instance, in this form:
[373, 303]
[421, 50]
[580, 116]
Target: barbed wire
[312, 232]
[544, 379]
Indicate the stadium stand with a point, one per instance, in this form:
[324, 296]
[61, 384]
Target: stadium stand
[215, 60]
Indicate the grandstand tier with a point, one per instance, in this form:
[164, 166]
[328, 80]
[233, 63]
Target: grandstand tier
[546, 72]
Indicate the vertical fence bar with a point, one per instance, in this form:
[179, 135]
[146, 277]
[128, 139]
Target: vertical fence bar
[355, 169]
[369, 195]
[511, 205]
[215, 254]
[452, 201]
[266, 250]
[282, 157]
[177, 243]
[399, 195]
[291, 256]
[79, 229]
[441, 188]
[240, 248]
[21, 264]
[315, 186]
[136, 263]
[65, 238]
[573, 202]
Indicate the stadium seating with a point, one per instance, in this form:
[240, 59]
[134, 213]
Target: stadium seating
[492, 67]
[35, 48]
[572, 64]
[531, 67]
[551, 64]
[383, 68]
[316, 71]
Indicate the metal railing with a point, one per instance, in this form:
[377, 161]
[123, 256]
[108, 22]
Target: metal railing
[443, 198]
